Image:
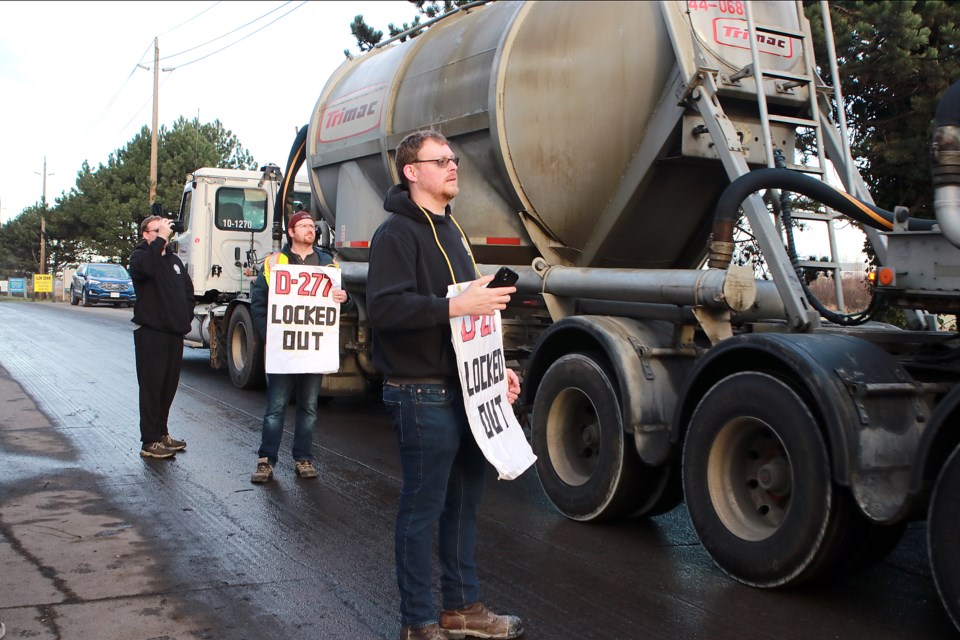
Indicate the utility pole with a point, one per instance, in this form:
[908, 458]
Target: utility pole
[153, 133]
[43, 223]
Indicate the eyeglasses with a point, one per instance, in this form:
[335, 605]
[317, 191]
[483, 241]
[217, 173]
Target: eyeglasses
[441, 163]
[305, 225]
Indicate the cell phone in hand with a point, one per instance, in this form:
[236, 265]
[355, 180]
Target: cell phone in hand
[505, 277]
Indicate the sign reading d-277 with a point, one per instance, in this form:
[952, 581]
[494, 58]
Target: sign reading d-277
[303, 321]
[482, 368]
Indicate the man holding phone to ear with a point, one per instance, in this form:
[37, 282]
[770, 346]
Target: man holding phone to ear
[163, 314]
[414, 255]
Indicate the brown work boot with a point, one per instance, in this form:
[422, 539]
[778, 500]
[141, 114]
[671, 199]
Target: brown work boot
[155, 450]
[264, 471]
[305, 469]
[173, 443]
[429, 632]
[477, 621]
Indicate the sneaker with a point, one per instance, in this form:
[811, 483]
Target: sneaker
[173, 443]
[477, 621]
[156, 450]
[264, 471]
[305, 469]
[429, 632]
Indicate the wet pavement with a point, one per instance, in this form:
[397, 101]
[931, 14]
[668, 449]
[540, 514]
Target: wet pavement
[97, 543]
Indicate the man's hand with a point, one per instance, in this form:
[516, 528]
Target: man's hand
[166, 228]
[478, 300]
[513, 386]
[339, 296]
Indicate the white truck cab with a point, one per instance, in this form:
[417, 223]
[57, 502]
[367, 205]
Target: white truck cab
[226, 220]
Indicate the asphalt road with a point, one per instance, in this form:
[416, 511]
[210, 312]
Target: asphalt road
[96, 542]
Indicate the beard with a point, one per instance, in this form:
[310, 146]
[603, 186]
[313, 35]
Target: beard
[451, 189]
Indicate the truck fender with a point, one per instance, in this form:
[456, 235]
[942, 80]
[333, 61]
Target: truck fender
[647, 378]
[870, 410]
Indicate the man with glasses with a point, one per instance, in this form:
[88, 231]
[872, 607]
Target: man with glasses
[163, 314]
[414, 255]
[302, 231]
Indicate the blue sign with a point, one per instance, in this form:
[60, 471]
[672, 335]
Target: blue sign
[17, 285]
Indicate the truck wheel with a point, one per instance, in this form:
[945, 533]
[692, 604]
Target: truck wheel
[244, 351]
[758, 487]
[73, 299]
[86, 301]
[943, 522]
[587, 465]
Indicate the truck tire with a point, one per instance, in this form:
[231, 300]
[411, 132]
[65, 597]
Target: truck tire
[86, 300]
[943, 522]
[586, 463]
[73, 299]
[758, 487]
[244, 351]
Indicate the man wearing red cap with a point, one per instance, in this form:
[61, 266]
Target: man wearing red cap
[302, 231]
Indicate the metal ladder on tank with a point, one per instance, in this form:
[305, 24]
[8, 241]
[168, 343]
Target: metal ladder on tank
[787, 82]
[705, 95]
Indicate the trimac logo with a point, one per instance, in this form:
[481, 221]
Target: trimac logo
[732, 32]
[352, 114]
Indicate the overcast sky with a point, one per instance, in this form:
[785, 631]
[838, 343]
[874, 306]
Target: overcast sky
[71, 89]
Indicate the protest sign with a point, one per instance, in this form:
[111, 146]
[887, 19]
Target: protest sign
[303, 321]
[478, 343]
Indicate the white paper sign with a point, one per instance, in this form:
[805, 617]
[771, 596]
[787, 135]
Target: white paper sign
[303, 321]
[478, 343]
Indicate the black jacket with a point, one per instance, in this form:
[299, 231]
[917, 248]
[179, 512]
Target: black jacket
[407, 284]
[259, 294]
[164, 290]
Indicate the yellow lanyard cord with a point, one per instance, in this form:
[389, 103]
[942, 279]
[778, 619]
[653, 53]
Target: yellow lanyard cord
[453, 278]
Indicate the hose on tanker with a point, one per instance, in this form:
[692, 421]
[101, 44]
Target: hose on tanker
[843, 319]
[283, 206]
[795, 182]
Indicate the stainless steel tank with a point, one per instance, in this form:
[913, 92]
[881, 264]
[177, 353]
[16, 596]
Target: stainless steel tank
[547, 104]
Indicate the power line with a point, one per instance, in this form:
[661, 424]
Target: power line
[179, 66]
[149, 100]
[134, 69]
[196, 47]
[189, 20]
[117, 94]
[173, 55]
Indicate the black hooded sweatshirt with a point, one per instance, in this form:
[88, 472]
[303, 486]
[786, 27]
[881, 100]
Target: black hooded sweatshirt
[407, 283]
[164, 290]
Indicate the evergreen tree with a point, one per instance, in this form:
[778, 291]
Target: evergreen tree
[896, 59]
[367, 37]
[20, 243]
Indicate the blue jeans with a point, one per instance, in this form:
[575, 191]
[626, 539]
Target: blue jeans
[443, 480]
[279, 389]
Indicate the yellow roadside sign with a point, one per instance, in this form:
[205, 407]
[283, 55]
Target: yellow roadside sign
[42, 283]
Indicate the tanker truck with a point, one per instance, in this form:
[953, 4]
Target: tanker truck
[608, 152]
